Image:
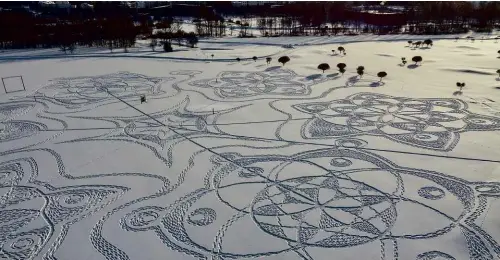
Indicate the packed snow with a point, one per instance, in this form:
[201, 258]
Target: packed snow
[244, 160]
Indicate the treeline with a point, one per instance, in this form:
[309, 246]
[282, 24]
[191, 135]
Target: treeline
[452, 17]
[25, 31]
[322, 18]
[115, 27]
[18, 30]
[313, 18]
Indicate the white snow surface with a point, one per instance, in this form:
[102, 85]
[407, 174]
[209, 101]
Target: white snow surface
[245, 160]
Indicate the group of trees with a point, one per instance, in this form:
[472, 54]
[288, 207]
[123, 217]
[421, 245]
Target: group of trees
[415, 59]
[118, 29]
[360, 70]
[22, 31]
[283, 60]
[454, 17]
[168, 31]
[427, 42]
[340, 49]
[323, 18]
[254, 58]
[210, 25]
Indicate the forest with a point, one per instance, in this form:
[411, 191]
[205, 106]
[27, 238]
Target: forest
[118, 27]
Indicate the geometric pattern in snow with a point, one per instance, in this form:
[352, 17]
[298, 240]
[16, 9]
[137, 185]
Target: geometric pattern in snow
[142, 130]
[35, 216]
[241, 84]
[292, 205]
[13, 127]
[426, 123]
[329, 207]
[78, 92]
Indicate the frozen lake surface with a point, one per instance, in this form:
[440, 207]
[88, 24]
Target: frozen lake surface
[245, 160]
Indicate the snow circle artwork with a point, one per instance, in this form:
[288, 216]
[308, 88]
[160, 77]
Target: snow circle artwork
[256, 161]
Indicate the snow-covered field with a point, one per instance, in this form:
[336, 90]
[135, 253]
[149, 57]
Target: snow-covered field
[244, 160]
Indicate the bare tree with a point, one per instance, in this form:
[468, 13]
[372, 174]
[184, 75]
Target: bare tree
[176, 25]
[64, 48]
[72, 48]
[153, 44]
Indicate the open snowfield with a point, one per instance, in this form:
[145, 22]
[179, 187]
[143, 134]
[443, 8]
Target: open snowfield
[244, 160]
